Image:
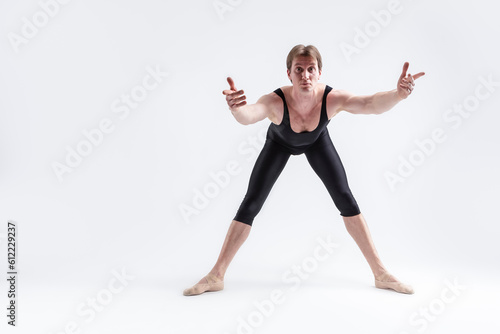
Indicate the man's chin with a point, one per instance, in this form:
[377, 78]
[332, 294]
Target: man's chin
[306, 88]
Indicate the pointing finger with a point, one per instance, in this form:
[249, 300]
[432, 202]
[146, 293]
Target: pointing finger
[418, 75]
[231, 83]
[405, 68]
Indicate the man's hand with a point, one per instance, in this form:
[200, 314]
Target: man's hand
[407, 82]
[234, 97]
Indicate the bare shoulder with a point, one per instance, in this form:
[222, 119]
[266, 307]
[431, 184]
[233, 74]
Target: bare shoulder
[274, 105]
[335, 101]
[269, 99]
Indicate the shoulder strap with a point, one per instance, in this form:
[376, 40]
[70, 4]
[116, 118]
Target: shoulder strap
[324, 113]
[327, 90]
[280, 93]
[285, 107]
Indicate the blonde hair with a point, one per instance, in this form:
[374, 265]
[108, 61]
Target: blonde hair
[302, 50]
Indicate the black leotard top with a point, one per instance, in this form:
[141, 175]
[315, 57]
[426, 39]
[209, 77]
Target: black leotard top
[293, 142]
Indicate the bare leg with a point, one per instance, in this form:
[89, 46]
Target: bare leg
[235, 237]
[358, 229]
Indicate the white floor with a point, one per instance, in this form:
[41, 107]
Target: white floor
[323, 302]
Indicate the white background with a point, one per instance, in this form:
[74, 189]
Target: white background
[121, 206]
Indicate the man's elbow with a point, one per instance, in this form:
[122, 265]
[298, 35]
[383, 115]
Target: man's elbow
[247, 119]
[371, 109]
[361, 105]
[364, 110]
[252, 115]
[245, 122]
[251, 120]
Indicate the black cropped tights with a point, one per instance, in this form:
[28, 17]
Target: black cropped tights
[324, 160]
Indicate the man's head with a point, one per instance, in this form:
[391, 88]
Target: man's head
[304, 66]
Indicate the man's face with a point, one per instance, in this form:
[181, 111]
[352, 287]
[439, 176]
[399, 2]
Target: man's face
[304, 73]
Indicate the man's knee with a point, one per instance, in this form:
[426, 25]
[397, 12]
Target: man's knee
[351, 213]
[244, 220]
[347, 205]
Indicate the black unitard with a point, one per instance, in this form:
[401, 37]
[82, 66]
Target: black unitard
[281, 142]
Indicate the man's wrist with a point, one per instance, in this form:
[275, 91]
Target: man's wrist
[398, 97]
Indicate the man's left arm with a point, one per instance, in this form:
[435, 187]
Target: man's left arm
[381, 102]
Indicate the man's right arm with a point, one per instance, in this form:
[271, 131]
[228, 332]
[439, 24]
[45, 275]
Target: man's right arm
[253, 113]
[243, 113]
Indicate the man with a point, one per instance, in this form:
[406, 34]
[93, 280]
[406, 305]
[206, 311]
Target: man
[299, 116]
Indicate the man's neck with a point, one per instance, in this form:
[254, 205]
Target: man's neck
[303, 98]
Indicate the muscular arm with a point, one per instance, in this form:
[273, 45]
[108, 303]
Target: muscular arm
[253, 113]
[248, 113]
[377, 103]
